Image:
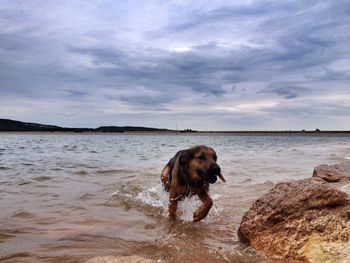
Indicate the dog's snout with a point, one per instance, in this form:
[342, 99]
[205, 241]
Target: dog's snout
[215, 169]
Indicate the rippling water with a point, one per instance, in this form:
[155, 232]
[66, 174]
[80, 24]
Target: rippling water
[68, 198]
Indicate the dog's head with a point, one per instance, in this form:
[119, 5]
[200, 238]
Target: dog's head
[199, 163]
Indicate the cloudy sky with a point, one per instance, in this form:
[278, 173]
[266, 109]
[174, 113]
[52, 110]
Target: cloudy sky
[216, 65]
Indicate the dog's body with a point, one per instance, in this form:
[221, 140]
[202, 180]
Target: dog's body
[189, 173]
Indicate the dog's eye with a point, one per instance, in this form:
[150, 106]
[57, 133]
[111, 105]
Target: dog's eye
[202, 157]
[215, 158]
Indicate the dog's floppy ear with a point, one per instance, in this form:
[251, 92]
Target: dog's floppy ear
[185, 156]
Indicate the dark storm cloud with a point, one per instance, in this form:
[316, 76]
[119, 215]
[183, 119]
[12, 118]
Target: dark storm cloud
[287, 92]
[305, 34]
[103, 54]
[285, 89]
[226, 14]
[11, 43]
[185, 71]
[150, 102]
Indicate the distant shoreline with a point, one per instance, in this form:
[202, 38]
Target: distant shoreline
[197, 133]
[18, 127]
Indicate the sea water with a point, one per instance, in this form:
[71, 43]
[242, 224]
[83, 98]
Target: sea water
[72, 197]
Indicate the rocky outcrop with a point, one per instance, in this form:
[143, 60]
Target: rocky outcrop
[333, 173]
[304, 220]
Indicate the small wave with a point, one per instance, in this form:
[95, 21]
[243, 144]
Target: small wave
[16, 256]
[24, 182]
[5, 235]
[112, 171]
[70, 147]
[77, 165]
[27, 164]
[23, 215]
[263, 185]
[144, 158]
[87, 196]
[4, 168]
[81, 172]
[347, 158]
[55, 169]
[268, 183]
[248, 180]
[42, 178]
[88, 166]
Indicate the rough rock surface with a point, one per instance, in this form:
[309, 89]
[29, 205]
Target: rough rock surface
[333, 173]
[304, 220]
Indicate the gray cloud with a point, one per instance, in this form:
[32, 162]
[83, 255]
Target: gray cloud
[288, 90]
[176, 60]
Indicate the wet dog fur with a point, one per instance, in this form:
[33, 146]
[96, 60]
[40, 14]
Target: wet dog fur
[188, 173]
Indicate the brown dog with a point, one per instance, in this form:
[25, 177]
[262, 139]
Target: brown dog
[189, 173]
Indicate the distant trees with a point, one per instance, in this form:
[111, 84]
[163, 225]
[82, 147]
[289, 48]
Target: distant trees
[316, 130]
[188, 130]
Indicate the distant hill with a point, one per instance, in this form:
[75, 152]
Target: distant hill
[12, 125]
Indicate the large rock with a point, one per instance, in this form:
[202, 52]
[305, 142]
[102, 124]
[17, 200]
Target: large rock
[333, 173]
[306, 220]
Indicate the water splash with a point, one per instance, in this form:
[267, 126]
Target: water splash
[154, 196]
[159, 198]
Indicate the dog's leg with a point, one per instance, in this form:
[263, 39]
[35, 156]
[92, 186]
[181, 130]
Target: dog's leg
[203, 210]
[173, 200]
[165, 177]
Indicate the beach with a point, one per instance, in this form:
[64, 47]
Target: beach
[72, 197]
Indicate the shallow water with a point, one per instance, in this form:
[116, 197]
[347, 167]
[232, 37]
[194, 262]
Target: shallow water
[68, 198]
